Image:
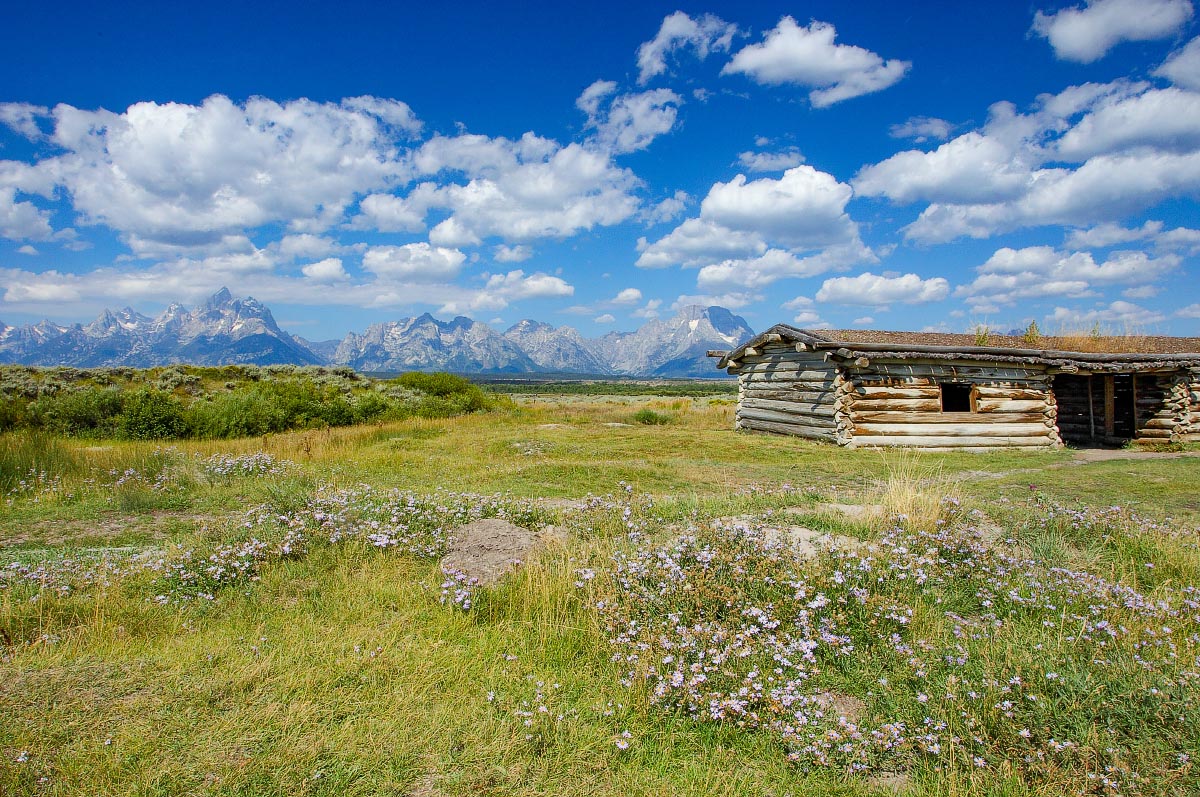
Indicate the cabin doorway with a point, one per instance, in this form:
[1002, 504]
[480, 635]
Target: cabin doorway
[1098, 409]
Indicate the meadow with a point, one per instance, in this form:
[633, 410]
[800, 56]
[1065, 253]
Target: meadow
[708, 612]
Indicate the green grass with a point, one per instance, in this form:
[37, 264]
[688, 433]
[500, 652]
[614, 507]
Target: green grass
[339, 672]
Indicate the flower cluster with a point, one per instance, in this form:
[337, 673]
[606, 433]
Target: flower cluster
[402, 522]
[458, 588]
[941, 644]
[190, 575]
[36, 486]
[258, 463]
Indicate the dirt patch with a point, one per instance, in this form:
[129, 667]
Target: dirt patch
[487, 550]
[841, 705]
[890, 782]
[154, 525]
[853, 511]
[803, 541]
[1085, 455]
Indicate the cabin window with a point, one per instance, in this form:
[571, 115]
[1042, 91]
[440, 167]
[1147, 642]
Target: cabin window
[956, 397]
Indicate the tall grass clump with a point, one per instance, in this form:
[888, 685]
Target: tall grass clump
[649, 417]
[36, 456]
[913, 492]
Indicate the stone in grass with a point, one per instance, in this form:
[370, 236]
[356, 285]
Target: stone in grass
[487, 550]
[853, 511]
[885, 782]
[803, 541]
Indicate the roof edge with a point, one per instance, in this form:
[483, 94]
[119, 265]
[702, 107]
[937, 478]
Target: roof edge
[824, 342]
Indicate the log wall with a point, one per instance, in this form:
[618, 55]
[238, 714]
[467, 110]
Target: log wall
[1193, 388]
[1162, 406]
[1081, 417]
[784, 388]
[785, 391]
[1116, 408]
[900, 404]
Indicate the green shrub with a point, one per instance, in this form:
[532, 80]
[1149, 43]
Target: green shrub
[435, 384]
[458, 395]
[86, 412]
[651, 418]
[242, 413]
[151, 415]
[13, 414]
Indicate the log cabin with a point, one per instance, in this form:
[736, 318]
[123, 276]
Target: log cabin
[860, 388]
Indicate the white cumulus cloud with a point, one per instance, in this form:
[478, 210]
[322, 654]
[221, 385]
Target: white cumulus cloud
[177, 172]
[1084, 34]
[876, 290]
[771, 161]
[1119, 316]
[630, 122]
[419, 262]
[328, 270]
[703, 34]
[922, 128]
[808, 56]
[1010, 275]
[512, 254]
[23, 117]
[1183, 67]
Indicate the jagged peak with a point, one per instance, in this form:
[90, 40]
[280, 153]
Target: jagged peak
[218, 299]
[528, 325]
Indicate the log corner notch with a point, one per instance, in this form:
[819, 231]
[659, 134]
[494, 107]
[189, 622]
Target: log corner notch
[825, 386]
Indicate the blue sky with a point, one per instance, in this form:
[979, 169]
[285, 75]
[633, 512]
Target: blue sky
[886, 165]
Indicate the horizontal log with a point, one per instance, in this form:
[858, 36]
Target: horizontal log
[945, 370]
[953, 429]
[953, 442]
[895, 405]
[1163, 423]
[816, 399]
[1001, 405]
[791, 394]
[811, 421]
[867, 391]
[939, 418]
[1026, 394]
[814, 409]
[816, 377]
[794, 363]
[1154, 434]
[753, 424]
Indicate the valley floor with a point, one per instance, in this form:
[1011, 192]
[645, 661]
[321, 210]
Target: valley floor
[708, 612]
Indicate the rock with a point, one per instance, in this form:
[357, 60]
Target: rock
[890, 782]
[803, 541]
[841, 705]
[487, 550]
[853, 511]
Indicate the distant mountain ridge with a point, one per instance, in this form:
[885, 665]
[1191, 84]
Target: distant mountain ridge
[225, 329]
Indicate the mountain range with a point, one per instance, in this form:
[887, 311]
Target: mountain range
[231, 330]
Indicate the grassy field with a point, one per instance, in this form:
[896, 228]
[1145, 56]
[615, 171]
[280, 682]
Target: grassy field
[268, 616]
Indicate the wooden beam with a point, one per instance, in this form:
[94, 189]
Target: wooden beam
[952, 429]
[886, 441]
[1110, 406]
[937, 418]
[1091, 408]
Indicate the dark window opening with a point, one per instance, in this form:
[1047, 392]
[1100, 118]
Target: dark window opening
[956, 397]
